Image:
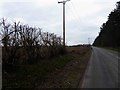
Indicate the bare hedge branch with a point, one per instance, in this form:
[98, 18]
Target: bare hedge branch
[24, 44]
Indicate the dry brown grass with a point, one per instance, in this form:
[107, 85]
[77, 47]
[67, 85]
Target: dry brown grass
[71, 75]
[64, 71]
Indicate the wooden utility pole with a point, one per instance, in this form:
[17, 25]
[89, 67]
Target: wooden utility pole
[63, 20]
[89, 41]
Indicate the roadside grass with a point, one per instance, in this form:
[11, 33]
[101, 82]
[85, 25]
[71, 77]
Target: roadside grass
[114, 48]
[71, 75]
[29, 76]
[64, 71]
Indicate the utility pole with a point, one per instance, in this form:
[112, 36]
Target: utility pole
[64, 1]
[89, 41]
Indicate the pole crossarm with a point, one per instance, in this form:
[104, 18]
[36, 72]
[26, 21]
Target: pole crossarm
[64, 1]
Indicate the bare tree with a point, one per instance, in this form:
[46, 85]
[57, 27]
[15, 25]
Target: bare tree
[20, 41]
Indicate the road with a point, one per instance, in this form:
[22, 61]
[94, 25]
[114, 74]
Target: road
[102, 70]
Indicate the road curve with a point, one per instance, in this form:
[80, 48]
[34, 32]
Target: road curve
[102, 70]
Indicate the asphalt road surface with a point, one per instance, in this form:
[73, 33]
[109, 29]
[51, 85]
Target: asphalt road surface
[102, 70]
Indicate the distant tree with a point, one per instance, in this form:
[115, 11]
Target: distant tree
[118, 5]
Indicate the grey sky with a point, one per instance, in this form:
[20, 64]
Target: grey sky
[83, 17]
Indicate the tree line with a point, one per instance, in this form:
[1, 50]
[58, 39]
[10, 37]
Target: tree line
[110, 31]
[22, 44]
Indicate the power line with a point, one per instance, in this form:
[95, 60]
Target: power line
[74, 17]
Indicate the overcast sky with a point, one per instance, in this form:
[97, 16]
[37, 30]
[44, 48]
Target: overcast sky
[83, 17]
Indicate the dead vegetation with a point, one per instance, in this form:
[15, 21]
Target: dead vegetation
[71, 75]
[22, 44]
[34, 59]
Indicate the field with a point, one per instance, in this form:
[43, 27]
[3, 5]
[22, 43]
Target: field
[63, 71]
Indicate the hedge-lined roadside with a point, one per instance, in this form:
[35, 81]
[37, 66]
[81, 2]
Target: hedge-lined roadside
[23, 44]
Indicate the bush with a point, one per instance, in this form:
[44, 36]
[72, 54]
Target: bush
[22, 44]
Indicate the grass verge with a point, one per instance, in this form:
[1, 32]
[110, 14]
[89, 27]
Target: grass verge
[114, 48]
[65, 71]
[29, 76]
[71, 75]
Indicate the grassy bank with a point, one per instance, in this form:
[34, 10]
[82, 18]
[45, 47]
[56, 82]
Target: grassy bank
[29, 76]
[62, 71]
[71, 75]
[113, 48]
